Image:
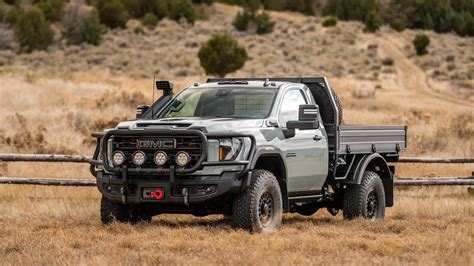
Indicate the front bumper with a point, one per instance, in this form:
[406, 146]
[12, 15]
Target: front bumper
[199, 189]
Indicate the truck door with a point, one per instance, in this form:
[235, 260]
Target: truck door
[306, 153]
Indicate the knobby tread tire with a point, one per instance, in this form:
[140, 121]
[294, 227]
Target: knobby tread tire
[113, 211]
[245, 207]
[355, 196]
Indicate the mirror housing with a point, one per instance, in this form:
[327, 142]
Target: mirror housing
[308, 118]
[141, 110]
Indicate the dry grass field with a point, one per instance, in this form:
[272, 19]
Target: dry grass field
[50, 101]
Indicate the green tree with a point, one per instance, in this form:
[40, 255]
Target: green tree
[372, 22]
[150, 20]
[182, 9]
[421, 42]
[329, 21]
[221, 55]
[52, 9]
[264, 23]
[112, 13]
[80, 27]
[33, 31]
[242, 20]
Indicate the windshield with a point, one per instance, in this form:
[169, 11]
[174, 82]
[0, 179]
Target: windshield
[221, 102]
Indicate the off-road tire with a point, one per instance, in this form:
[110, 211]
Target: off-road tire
[117, 212]
[251, 209]
[307, 209]
[365, 200]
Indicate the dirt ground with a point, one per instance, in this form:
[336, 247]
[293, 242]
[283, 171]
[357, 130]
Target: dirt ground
[51, 101]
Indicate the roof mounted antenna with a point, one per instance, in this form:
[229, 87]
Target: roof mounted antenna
[266, 83]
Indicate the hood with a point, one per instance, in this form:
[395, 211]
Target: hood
[211, 124]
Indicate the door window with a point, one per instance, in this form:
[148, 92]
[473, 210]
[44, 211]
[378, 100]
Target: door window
[290, 106]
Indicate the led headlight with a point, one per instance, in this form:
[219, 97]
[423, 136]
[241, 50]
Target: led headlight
[118, 158]
[138, 158]
[160, 158]
[182, 158]
[229, 148]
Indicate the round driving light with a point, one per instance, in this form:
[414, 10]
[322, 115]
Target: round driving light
[160, 158]
[139, 158]
[182, 158]
[118, 158]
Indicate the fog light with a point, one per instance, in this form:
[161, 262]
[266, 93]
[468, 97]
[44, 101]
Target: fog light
[118, 158]
[160, 158]
[139, 158]
[182, 158]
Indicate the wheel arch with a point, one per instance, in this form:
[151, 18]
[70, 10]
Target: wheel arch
[271, 159]
[376, 163]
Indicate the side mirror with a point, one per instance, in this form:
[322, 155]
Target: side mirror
[308, 118]
[141, 110]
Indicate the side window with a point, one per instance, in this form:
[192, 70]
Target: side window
[290, 106]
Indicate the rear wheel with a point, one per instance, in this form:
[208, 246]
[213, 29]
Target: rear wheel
[260, 207]
[366, 199]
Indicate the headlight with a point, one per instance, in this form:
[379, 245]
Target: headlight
[182, 158]
[160, 158]
[118, 158]
[139, 158]
[229, 148]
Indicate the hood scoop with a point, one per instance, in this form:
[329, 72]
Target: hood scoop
[163, 125]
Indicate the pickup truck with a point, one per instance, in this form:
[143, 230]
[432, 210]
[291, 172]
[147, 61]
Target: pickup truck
[248, 148]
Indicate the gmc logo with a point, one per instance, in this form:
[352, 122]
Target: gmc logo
[156, 143]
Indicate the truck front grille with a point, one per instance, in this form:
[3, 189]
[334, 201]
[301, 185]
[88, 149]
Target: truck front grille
[171, 145]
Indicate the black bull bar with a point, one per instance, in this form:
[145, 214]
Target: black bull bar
[103, 137]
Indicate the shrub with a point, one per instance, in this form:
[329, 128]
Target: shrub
[264, 23]
[307, 7]
[11, 17]
[182, 9]
[372, 22]
[221, 55]
[138, 30]
[150, 20]
[79, 27]
[242, 20]
[33, 31]
[330, 21]
[2, 12]
[421, 42]
[139, 8]
[52, 9]
[12, 2]
[398, 24]
[350, 9]
[207, 2]
[112, 13]
[275, 4]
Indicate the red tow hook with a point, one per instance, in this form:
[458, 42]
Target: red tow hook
[158, 194]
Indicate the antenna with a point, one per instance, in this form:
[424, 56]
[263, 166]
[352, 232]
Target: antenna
[153, 89]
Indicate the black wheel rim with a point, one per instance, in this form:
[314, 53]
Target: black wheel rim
[372, 205]
[265, 209]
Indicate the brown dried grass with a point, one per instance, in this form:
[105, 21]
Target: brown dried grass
[66, 97]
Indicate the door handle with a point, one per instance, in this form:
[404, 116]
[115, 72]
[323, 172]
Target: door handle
[317, 138]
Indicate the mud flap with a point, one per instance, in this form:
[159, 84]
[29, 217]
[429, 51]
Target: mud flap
[388, 189]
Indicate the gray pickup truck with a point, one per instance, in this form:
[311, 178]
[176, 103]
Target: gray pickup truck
[251, 149]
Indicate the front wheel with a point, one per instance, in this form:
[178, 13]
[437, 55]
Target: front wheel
[260, 207]
[117, 212]
[365, 200]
